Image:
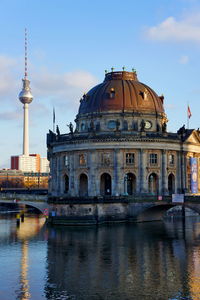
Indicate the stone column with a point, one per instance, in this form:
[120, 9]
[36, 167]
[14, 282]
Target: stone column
[50, 157]
[72, 191]
[185, 182]
[54, 175]
[92, 191]
[164, 187]
[116, 174]
[142, 188]
[183, 172]
[178, 173]
[59, 175]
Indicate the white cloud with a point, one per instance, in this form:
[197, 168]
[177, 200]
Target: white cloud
[48, 87]
[187, 29]
[184, 59]
[170, 106]
[7, 78]
[11, 115]
[64, 88]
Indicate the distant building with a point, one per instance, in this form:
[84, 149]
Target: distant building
[18, 179]
[121, 146]
[11, 178]
[31, 163]
[44, 165]
[36, 180]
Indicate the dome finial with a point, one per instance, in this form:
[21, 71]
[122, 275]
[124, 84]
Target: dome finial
[112, 69]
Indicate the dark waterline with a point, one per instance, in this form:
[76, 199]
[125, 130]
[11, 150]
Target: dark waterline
[139, 261]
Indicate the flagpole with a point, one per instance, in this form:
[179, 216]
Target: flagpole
[189, 114]
[54, 117]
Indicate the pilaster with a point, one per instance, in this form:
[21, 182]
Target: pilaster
[116, 168]
[164, 187]
[92, 191]
[142, 188]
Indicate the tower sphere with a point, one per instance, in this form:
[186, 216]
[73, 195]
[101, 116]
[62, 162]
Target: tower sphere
[25, 95]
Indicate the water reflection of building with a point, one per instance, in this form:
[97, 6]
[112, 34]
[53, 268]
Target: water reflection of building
[123, 262]
[24, 293]
[121, 145]
[194, 267]
[26, 231]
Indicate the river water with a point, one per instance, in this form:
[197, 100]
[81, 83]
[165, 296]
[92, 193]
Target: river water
[144, 261]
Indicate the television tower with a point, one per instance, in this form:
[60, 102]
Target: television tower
[26, 98]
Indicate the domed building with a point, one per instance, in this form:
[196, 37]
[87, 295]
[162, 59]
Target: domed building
[121, 147]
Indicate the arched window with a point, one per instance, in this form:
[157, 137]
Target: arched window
[153, 183]
[112, 93]
[105, 184]
[98, 126]
[125, 125]
[83, 127]
[171, 184]
[135, 125]
[66, 183]
[83, 185]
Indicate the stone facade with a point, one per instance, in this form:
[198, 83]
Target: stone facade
[121, 147]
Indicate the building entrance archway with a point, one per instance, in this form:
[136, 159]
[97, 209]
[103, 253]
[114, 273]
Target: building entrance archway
[130, 183]
[171, 184]
[105, 184]
[83, 185]
[153, 185]
[66, 183]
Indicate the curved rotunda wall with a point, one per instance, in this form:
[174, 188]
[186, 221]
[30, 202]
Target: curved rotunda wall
[116, 172]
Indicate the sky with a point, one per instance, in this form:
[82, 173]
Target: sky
[72, 43]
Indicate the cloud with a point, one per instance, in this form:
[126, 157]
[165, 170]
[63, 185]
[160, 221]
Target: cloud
[185, 30]
[64, 88]
[184, 59]
[49, 88]
[8, 81]
[11, 115]
[170, 106]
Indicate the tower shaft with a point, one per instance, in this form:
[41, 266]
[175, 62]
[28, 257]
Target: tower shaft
[26, 131]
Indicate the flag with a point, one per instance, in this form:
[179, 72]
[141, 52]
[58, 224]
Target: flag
[189, 112]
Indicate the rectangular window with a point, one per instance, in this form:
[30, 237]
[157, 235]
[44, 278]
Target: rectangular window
[153, 159]
[66, 160]
[171, 159]
[130, 158]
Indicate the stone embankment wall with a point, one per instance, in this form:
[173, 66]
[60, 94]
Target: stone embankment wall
[102, 212]
[23, 197]
[86, 214]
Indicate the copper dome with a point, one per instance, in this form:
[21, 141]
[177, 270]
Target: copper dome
[121, 91]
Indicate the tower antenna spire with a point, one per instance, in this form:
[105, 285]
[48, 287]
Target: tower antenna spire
[25, 96]
[25, 62]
